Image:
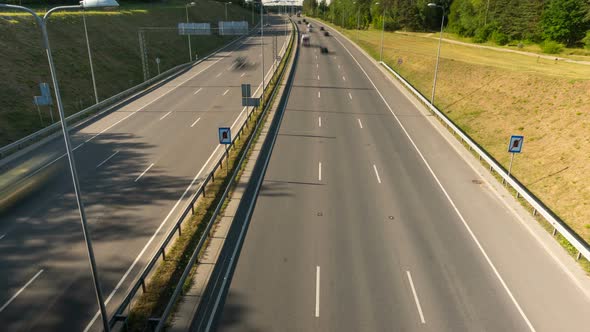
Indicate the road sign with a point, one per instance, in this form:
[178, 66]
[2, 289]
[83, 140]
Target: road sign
[254, 102]
[45, 98]
[515, 144]
[246, 91]
[224, 135]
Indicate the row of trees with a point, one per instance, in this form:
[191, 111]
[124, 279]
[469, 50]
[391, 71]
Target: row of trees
[563, 21]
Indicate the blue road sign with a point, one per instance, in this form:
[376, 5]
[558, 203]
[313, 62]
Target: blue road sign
[224, 135]
[515, 144]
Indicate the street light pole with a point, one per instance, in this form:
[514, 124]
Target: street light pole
[432, 5]
[382, 33]
[262, 46]
[188, 35]
[90, 56]
[227, 3]
[42, 22]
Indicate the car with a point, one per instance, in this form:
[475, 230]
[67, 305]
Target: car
[299, 22]
[240, 62]
[267, 25]
[326, 33]
[321, 28]
[309, 30]
[324, 50]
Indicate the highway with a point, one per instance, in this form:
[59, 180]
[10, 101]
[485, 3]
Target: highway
[369, 219]
[138, 167]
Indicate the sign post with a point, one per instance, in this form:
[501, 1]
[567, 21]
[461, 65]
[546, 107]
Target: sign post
[246, 93]
[514, 147]
[225, 139]
[43, 100]
[158, 63]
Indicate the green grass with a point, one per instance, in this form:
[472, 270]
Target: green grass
[492, 95]
[115, 49]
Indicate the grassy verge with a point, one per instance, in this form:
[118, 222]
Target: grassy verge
[491, 95]
[167, 275]
[114, 41]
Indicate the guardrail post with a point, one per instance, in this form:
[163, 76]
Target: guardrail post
[143, 284]
[517, 194]
[534, 212]
[193, 208]
[163, 251]
[180, 229]
[578, 256]
[554, 231]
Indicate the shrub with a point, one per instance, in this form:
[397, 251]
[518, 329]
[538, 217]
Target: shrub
[551, 47]
[483, 34]
[586, 41]
[500, 38]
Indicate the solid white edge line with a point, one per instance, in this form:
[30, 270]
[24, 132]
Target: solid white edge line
[320, 171]
[226, 91]
[20, 291]
[360, 123]
[198, 91]
[194, 123]
[109, 158]
[416, 298]
[165, 115]
[147, 169]
[122, 280]
[376, 173]
[490, 263]
[317, 291]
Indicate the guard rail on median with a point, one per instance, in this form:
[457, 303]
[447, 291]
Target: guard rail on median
[538, 206]
[161, 252]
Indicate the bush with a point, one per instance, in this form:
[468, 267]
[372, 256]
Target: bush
[551, 47]
[483, 34]
[586, 41]
[500, 38]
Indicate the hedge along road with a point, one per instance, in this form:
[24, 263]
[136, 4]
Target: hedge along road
[137, 166]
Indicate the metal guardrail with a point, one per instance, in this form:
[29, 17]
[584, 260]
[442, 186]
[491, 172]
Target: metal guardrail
[119, 315]
[538, 206]
[108, 103]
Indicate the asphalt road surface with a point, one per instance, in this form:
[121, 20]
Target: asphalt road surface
[369, 220]
[138, 166]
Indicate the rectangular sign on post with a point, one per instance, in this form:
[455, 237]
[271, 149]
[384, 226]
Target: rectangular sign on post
[254, 102]
[224, 135]
[515, 144]
[45, 98]
[246, 91]
[194, 29]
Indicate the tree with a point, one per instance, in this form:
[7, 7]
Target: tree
[565, 21]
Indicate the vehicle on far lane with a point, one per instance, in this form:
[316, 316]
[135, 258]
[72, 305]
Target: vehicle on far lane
[324, 49]
[326, 33]
[321, 28]
[305, 39]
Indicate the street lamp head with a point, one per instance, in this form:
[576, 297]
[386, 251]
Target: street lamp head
[98, 3]
[432, 5]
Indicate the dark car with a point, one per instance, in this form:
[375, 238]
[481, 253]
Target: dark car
[299, 22]
[326, 33]
[324, 50]
[322, 28]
